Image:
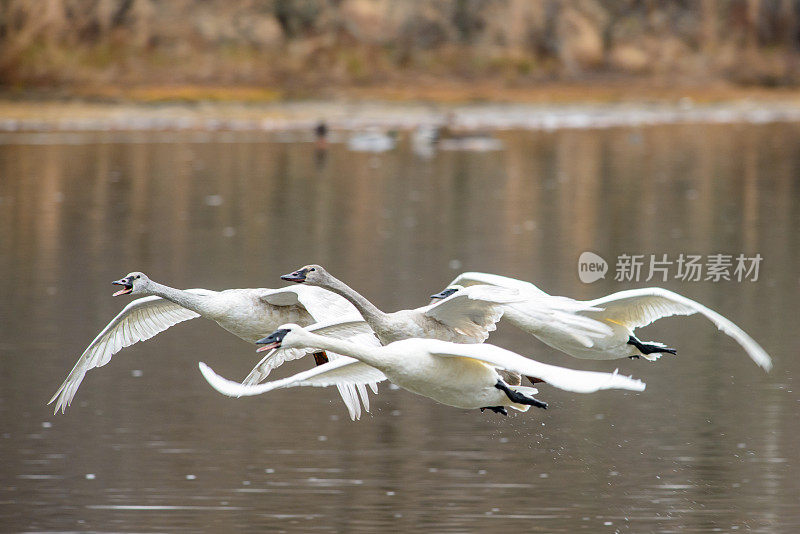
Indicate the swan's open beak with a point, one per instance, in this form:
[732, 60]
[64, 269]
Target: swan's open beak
[127, 286]
[272, 341]
[444, 294]
[298, 276]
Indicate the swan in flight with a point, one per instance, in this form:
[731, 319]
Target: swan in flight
[622, 312]
[455, 374]
[246, 313]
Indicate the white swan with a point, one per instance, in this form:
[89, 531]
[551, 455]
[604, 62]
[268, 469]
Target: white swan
[455, 374]
[623, 312]
[246, 313]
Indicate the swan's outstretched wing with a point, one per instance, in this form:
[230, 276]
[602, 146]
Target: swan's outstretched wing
[321, 304]
[343, 371]
[141, 319]
[558, 316]
[639, 307]
[539, 312]
[355, 331]
[560, 377]
[474, 278]
[473, 311]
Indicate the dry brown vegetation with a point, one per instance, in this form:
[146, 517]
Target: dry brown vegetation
[264, 50]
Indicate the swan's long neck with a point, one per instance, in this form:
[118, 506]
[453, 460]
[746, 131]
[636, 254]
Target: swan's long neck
[186, 299]
[374, 317]
[364, 353]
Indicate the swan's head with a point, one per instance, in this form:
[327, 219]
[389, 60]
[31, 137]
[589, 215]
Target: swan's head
[287, 336]
[310, 274]
[450, 290]
[132, 284]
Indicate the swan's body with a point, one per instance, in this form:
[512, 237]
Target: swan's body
[246, 313]
[455, 374]
[621, 312]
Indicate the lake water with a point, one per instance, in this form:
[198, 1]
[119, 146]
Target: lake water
[147, 446]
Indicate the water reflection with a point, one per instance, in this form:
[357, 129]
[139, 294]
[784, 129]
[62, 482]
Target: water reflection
[148, 446]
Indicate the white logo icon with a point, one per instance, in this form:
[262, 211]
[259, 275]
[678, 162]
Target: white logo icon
[591, 267]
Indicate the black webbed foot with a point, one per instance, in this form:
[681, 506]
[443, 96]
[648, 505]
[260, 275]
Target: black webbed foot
[518, 397]
[650, 348]
[496, 409]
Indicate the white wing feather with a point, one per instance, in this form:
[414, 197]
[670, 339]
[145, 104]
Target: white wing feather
[474, 310]
[355, 331]
[475, 278]
[140, 320]
[540, 311]
[321, 304]
[560, 377]
[639, 307]
[272, 360]
[342, 371]
[558, 315]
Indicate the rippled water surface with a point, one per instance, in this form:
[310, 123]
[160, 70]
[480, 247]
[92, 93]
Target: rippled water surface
[710, 446]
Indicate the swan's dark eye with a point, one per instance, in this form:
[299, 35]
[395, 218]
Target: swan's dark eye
[312, 269]
[138, 276]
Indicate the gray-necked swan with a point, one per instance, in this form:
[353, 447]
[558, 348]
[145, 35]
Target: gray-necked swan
[246, 313]
[455, 374]
[622, 312]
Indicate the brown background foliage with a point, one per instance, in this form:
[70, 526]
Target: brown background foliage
[308, 47]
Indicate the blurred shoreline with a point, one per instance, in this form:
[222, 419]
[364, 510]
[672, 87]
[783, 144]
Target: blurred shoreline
[276, 65]
[546, 107]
